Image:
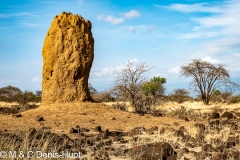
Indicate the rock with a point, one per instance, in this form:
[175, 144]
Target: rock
[235, 153]
[162, 130]
[84, 130]
[190, 145]
[154, 151]
[185, 150]
[152, 130]
[230, 143]
[73, 130]
[17, 115]
[116, 133]
[208, 148]
[45, 128]
[219, 156]
[220, 148]
[106, 133]
[39, 118]
[176, 124]
[215, 115]
[227, 115]
[157, 113]
[178, 133]
[98, 129]
[172, 157]
[237, 139]
[135, 131]
[113, 118]
[201, 126]
[214, 123]
[202, 155]
[182, 129]
[176, 145]
[68, 53]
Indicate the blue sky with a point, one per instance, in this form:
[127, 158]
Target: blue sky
[166, 34]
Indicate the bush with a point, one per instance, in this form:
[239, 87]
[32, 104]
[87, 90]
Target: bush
[104, 96]
[14, 94]
[179, 95]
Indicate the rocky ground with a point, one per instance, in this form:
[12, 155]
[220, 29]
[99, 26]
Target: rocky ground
[98, 131]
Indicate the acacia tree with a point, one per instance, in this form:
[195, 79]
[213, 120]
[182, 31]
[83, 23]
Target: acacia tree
[154, 87]
[128, 84]
[207, 78]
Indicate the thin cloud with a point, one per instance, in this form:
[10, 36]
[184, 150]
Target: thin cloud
[119, 68]
[131, 14]
[19, 14]
[35, 63]
[105, 71]
[133, 60]
[175, 70]
[36, 79]
[188, 8]
[140, 29]
[101, 16]
[211, 60]
[113, 20]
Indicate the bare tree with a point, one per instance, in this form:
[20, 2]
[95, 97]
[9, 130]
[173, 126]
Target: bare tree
[128, 84]
[180, 95]
[207, 78]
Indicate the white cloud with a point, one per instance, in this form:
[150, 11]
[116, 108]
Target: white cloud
[18, 14]
[223, 45]
[211, 60]
[119, 68]
[133, 60]
[188, 8]
[222, 20]
[141, 29]
[113, 20]
[131, 14]
[107, 70]
[35, 63]
[36, 79]
[175, 70]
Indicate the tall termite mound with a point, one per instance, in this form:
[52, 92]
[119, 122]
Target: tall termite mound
[67, 60]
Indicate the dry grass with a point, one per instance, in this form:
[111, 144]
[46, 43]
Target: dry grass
[60, 118]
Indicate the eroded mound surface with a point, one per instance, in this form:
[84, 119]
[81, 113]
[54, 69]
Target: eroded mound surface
[68, 53]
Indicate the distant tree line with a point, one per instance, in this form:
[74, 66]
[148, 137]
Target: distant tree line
[211, 82]
[144, 95]
[14, 94]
